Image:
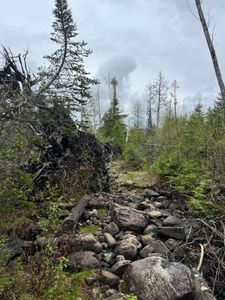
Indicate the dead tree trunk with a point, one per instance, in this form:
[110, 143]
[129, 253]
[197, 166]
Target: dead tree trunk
[150, 100]
[211, 49]
[74, 216]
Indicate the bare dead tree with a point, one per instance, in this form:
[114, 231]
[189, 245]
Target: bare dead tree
[149, 106]
[173, 95]
[211, 48]
[107, 80]
[160, 89]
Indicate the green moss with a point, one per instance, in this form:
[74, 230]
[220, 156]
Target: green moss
[5, 279]
[140, 178]
[131, 297]
[69, 286]
[89, 229]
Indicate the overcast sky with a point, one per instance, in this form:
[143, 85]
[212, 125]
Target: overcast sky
[130, 39]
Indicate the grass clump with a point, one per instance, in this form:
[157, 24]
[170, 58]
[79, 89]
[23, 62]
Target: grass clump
[89, 229]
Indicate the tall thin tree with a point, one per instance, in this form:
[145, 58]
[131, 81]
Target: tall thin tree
[160, 88]
[211, 48]
[174, 99]
[150, 100]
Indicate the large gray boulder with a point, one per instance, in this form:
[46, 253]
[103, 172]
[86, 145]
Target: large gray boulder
[154, 278]
[128, 219]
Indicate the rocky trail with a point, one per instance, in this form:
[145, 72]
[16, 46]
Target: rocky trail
[139, 243]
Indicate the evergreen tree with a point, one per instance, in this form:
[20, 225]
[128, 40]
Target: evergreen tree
[113, 128]
[195, 134]
[66, 78]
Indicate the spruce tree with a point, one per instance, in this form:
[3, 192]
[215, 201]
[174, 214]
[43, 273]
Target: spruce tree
[66, 78]
[113, 128]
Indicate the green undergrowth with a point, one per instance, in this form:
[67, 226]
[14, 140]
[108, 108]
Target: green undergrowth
[131, 297]
[89, 229]
[190, 178]
[44, 279]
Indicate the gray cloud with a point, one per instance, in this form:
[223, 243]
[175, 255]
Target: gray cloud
[121, 67]
[132, 39]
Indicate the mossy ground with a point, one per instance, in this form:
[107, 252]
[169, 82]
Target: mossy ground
[139, 178]
[89, 229]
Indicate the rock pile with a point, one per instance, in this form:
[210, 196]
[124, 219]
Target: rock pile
[133, 250]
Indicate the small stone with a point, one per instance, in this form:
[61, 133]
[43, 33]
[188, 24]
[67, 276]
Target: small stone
[154, 213]
[108, 258]
[145, 205]
[173, 232]
[119, 235]
[166, 203]
[96, 294]
[146, 239]
[94, 212]
[82, 260]
[171, 243]
[117, 296]
[90, 214]
[119, 258]
[161, 198]
[104, 245]
[120, 266]
[153, 245]
[90, 280]
[135, 198]
[157, 247]
[151, 193]
[101, 239]
[132, 205]
[151, 230]
[109, 279]
[128, 219]
[157, 204]
[110, 292]
[110, 240]
[129, 246]
[171, 221]
[112, 228]
[87, 242]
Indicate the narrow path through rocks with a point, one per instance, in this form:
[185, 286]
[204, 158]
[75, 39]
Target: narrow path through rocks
[136, 242]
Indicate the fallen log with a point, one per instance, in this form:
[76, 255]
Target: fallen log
[98, 205]
[201, 288]
[76, 212]
[67, 205]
